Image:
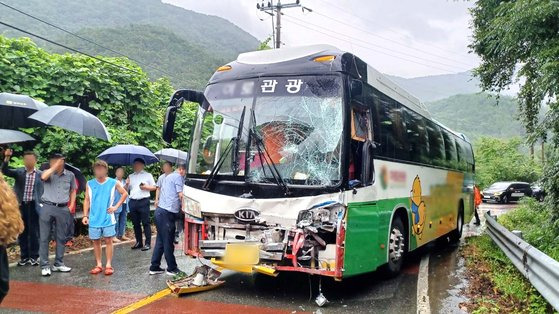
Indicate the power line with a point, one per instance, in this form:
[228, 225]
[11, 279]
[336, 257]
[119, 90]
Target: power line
[367, 47]
[389, 39]
[391, 52]
[82, 38]
[271, 7]
[68, 48]
[374, 23]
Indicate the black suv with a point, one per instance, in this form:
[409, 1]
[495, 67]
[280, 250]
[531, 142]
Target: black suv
[504, 192]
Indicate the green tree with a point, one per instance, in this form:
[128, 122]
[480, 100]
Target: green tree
[518, 41]
[503, 160]
[128, 102]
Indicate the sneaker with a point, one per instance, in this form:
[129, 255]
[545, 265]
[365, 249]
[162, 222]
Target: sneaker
[175, 272]
[61, 268]
[45, 271]
[156, 271]
[24, 262]
[34, 261]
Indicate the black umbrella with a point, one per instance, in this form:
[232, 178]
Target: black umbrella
[72, 119]
[13, 136]
[15, 110]
[76, 171]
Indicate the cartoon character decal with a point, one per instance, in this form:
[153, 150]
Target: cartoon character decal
[417, 208]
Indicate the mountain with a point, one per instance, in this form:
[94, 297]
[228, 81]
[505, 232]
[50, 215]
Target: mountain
[187, 65]
[478, 115]
[435, 87]
[128, 26]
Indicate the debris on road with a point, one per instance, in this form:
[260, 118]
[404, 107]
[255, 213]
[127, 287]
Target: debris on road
[204, 278]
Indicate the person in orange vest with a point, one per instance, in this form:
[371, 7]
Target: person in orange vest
[477, 202]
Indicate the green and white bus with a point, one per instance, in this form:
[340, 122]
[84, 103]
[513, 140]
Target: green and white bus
[307, 159]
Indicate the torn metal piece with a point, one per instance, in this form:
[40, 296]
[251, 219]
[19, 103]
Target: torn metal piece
[204, 278]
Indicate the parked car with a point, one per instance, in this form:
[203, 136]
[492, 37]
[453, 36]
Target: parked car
[537, 191]
[505, 192]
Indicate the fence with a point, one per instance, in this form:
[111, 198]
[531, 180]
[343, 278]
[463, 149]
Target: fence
[541, 270]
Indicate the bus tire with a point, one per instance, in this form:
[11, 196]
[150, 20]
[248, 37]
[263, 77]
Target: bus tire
[397, 247]
[456, 234]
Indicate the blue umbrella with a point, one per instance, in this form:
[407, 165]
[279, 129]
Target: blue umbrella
[124, 155]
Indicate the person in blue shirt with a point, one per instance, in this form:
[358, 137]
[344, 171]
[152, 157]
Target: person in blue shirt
[99, 213]
[166, 213]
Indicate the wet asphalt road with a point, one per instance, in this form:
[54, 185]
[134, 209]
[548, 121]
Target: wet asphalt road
[289, 292]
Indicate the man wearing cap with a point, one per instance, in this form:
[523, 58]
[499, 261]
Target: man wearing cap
[59, 193]
[141, 183]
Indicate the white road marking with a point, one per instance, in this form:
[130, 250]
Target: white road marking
[423, 306]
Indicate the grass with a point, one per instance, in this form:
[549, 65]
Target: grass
[534, 220]
[496, 286]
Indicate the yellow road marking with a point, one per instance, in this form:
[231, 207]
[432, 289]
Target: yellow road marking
[143, 302]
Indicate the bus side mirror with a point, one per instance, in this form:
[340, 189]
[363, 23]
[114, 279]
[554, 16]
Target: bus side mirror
[178, 98]
[356, 89]
[367, 166]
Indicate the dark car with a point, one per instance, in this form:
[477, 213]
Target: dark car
[537, 191]
[504, 192]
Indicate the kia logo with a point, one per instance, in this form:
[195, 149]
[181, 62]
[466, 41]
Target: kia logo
[246, 214]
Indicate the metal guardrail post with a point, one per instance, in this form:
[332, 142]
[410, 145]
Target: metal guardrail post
[541, 270]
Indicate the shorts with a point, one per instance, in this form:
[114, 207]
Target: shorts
[96, 233]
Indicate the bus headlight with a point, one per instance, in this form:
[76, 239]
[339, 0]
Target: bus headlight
[324, 216]
[192, 207]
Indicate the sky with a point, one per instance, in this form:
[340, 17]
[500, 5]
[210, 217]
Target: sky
[408, 38]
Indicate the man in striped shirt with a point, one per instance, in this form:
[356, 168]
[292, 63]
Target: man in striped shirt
[28, 188]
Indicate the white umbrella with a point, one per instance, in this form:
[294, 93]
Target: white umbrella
[172, 155]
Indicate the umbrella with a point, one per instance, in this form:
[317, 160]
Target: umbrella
[15, 109]
[123, 155]
[76, 171]
[13, 136]
[172, 155]
[73, 119]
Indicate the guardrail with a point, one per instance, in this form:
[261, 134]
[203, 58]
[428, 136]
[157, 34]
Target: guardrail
[541, 270]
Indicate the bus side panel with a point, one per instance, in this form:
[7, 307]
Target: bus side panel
[367, 235]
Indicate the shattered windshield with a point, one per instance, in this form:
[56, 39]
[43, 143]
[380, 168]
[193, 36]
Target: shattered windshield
[295, 126]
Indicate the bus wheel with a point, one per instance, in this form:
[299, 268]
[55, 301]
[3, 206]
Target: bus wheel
[397, 247]
[457, 233]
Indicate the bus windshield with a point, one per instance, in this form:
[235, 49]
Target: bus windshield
[292, 129]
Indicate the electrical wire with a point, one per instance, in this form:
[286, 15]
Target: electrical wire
[68, 48]
[450, 66]
[379, 24]
[353, 42]
[83, 38]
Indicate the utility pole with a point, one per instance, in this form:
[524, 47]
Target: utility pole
[275, 9]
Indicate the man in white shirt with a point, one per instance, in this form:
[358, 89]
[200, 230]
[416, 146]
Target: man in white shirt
[140, 183]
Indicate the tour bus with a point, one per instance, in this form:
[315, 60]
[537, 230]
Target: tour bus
[307, 159]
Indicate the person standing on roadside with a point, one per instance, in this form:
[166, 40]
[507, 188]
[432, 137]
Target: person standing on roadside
[141, 183]
[122, 210]
[59, 192]
[477, 202]
[99, 213]
[167, 168]
[170, 203]
[28, 188]
[10, 226]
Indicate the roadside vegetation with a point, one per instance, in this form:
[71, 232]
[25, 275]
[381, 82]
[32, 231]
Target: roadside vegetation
[504, 160]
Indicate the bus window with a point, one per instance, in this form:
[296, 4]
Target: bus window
[416, 136]
[436, 145]
[401, 146]
[360, 133]
[384, 135]
[450, 149]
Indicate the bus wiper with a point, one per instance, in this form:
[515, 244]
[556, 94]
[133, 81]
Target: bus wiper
[261, 147]
[235, 165]
[233, 145]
